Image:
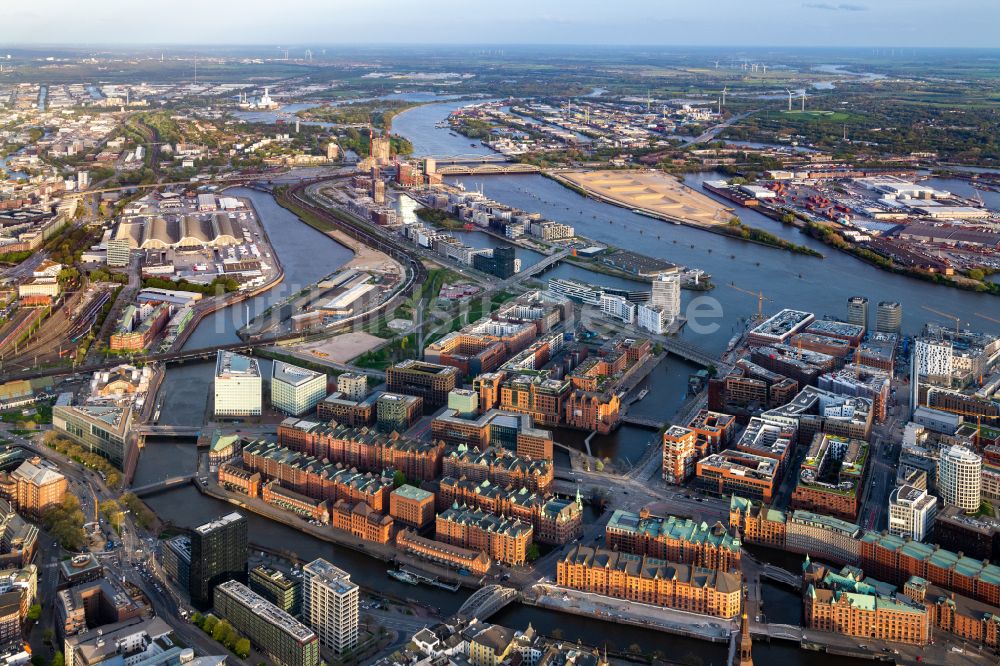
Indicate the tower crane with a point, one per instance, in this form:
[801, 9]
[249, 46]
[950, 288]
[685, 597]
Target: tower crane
[957, 320]
[758, 294]
[963, 412]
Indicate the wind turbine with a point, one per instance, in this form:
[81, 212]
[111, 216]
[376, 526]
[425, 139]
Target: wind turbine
[789, 98]
[725, 89]
[803, 99]
[765, 69]
[717, 64]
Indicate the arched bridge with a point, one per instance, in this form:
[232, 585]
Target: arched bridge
[486, 601]
[487, 169]
[781, 576]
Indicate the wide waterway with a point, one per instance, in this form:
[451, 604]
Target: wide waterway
[306, 255]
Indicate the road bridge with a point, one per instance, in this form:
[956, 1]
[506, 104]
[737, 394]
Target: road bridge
[487, 601]
[531, 271]
[159, 486]
[780, 575]
[468, 158]
[167, 431]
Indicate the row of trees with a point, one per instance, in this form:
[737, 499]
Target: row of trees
[216, 286]
[223, 632]
[72, 450]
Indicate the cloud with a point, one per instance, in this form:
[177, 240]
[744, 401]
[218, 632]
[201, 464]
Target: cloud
[842, 7]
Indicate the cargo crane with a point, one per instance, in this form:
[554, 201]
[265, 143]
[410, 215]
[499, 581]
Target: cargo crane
[759, 295]
[957, 320]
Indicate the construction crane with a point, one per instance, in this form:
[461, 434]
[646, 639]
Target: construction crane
[979, 417]
[957, 320]
[759, 296]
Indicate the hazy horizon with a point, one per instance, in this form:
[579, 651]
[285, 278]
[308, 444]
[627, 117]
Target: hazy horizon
[776, 23]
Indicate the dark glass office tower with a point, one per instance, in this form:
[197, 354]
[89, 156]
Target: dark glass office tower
[218, 554]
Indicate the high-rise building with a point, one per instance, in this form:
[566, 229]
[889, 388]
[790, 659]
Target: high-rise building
[499, 263]
[666, 294]
[238, 385]
[911, 512]
[889, 317]
[933, 359]
[218, 554]
[177, 560]
[274, 632]
[296, 390]
[119, 253]
[353, 385]
[330, 605]
[857, 311]
[380, 150]
[680, 454]
[281, 590]
[960, 477]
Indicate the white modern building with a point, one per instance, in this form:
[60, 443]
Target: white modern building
[653, 319]
[618, 307]
[911, 512]
[296, 390]
[353, 385]
[238, 385]
[933, 359]
[960, 477]
[330, 605]
[666, 294]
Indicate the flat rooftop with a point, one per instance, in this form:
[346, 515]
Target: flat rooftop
[228, 364]
[293, 374]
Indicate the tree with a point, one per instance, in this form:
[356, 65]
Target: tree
[197, 618]
[976, 274]
[532, 553]
[242, 648]
[58, 659]
[221, 630]
[398, 479]
[209, 624]
[34, 612]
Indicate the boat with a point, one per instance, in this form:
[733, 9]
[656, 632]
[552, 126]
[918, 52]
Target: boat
[642, 394]
[403, 577]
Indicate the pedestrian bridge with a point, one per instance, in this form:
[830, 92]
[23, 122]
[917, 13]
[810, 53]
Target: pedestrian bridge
[165, 484]
[644, 421]
[487, 601]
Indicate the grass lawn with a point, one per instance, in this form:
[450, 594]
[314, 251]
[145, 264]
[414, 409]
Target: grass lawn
[818, 115]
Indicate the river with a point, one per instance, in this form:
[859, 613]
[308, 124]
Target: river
[820, 285]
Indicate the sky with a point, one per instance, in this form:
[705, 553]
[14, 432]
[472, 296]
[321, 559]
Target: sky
[912, 23]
